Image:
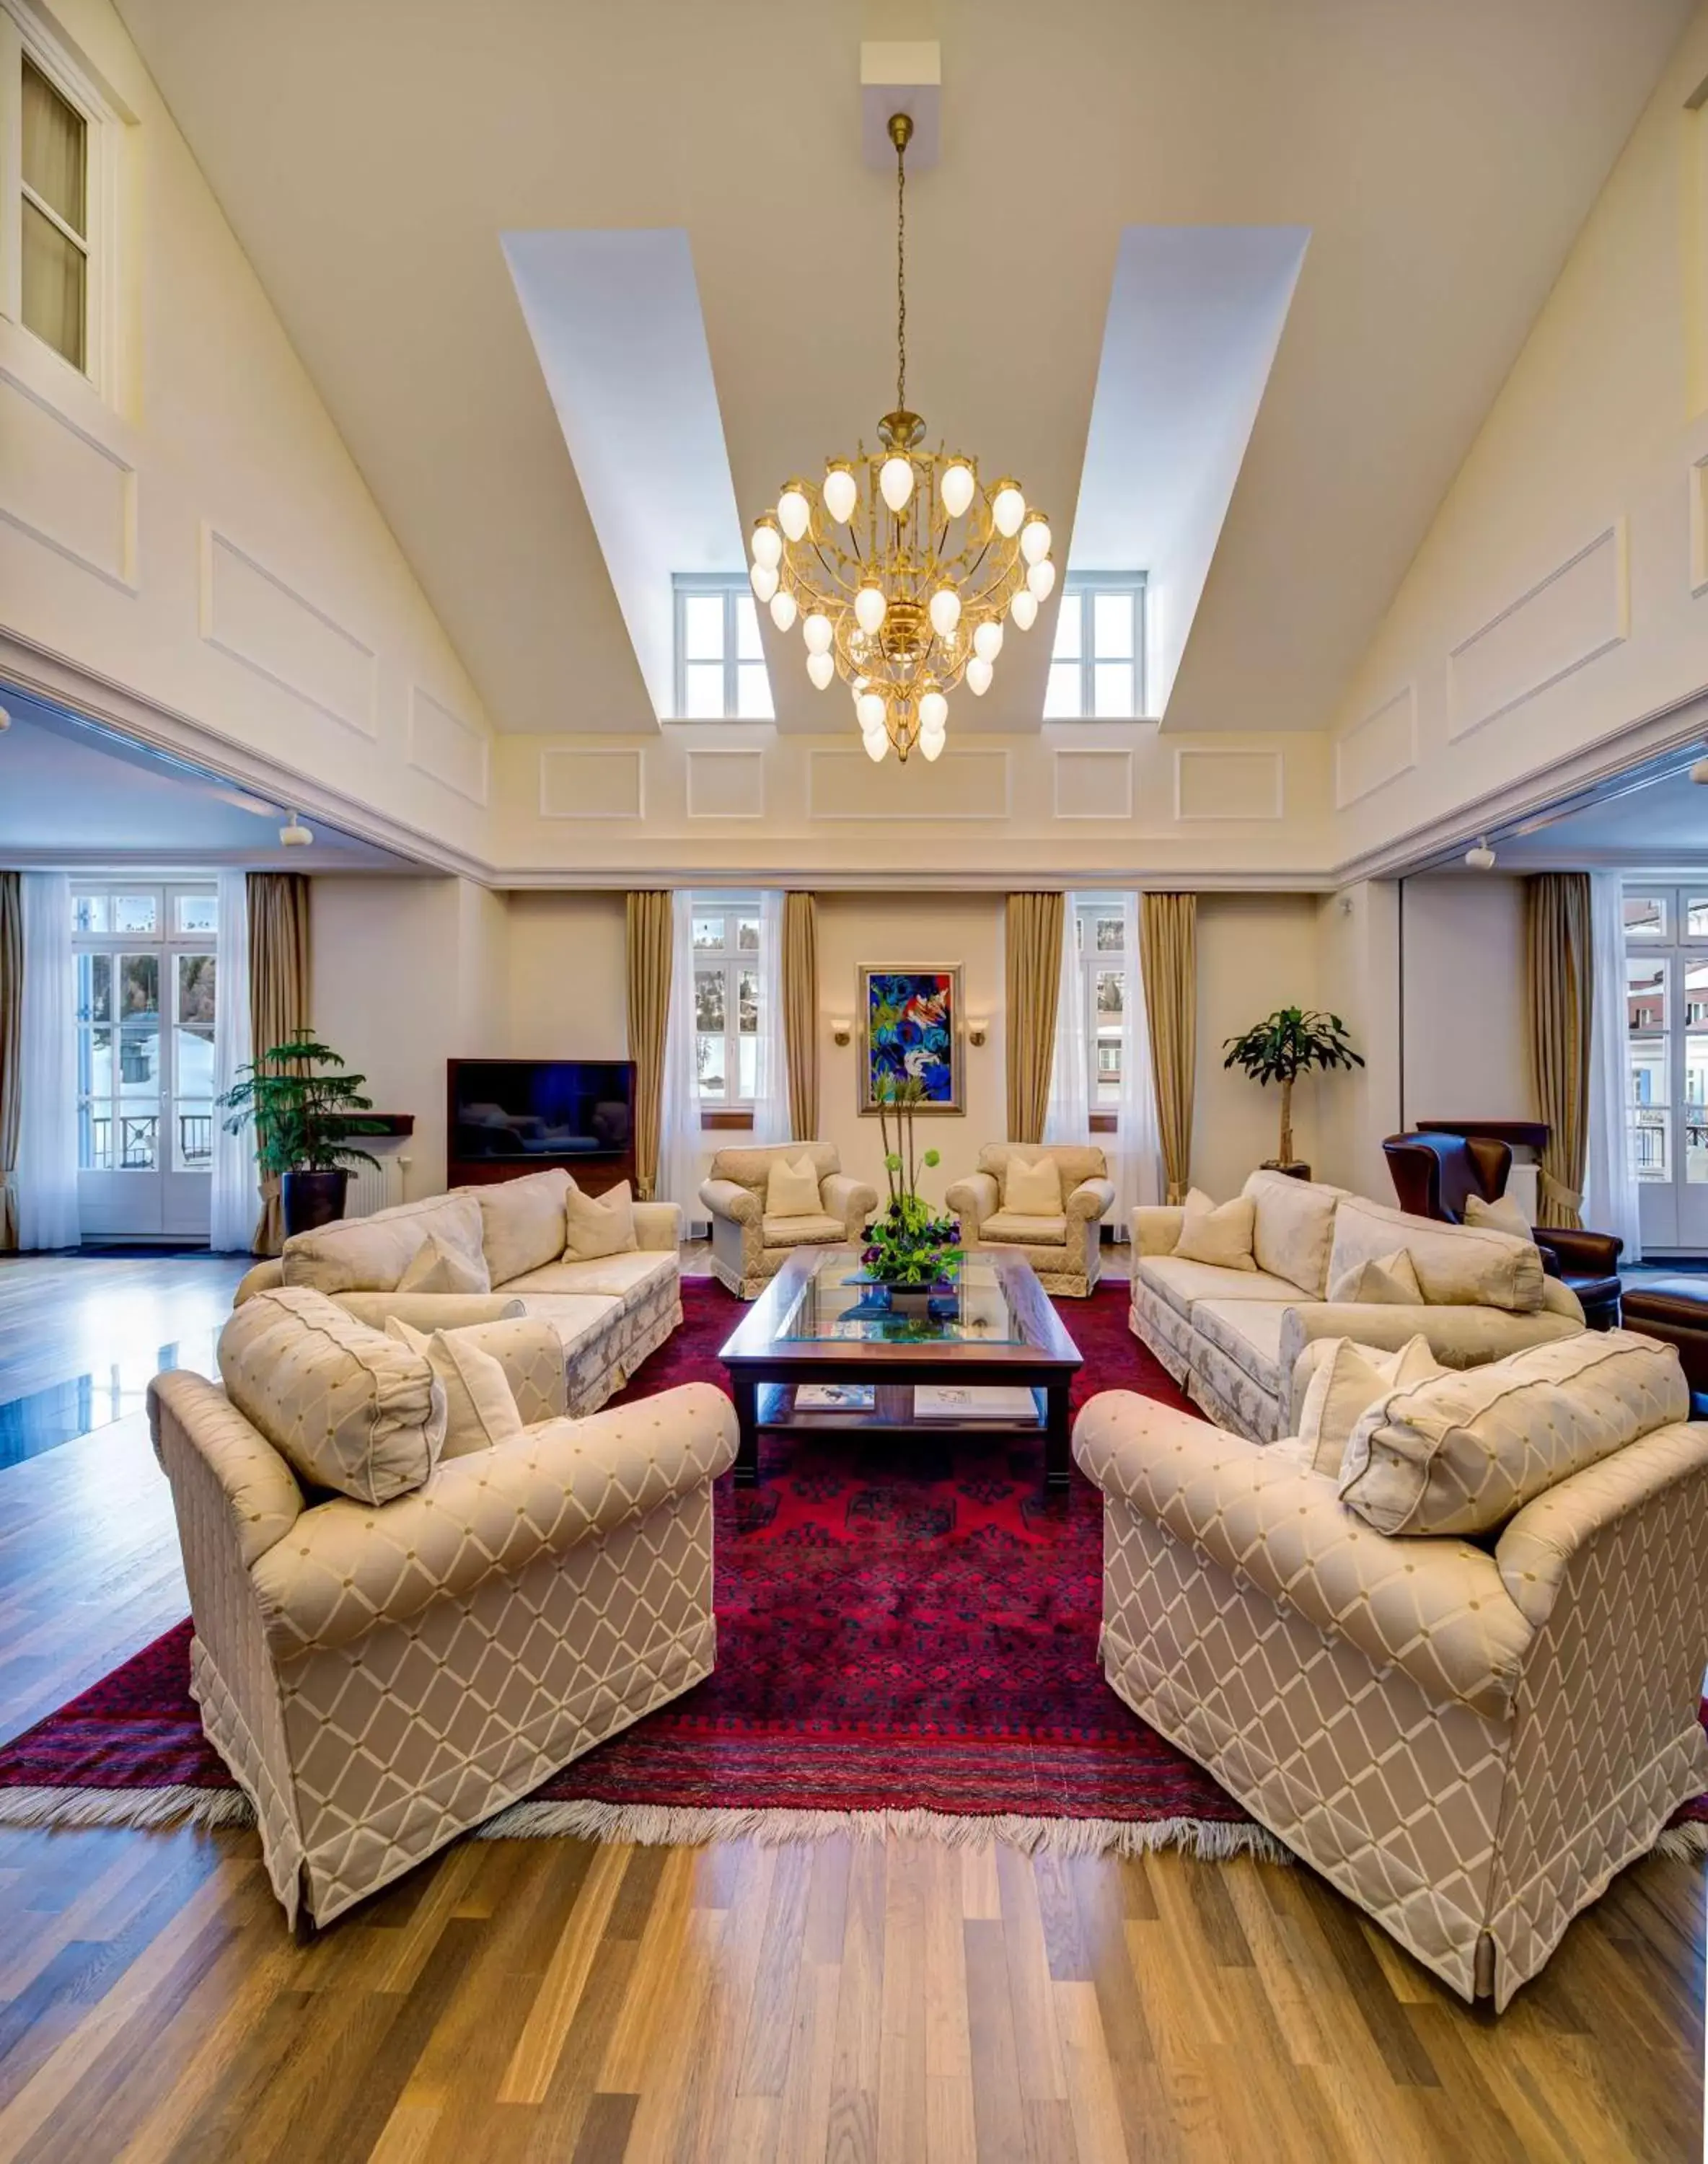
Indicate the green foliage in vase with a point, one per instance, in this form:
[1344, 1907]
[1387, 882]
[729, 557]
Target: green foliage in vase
[303, 1120]
[907, 1244]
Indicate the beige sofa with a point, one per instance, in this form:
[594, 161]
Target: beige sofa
[1232, 1338]
[610, 1313]
[1065, 1251]
[1468, 1736]
[382, 1676]
[750, 1246]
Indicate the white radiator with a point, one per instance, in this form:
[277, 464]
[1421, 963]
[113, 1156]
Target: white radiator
[375, 1186]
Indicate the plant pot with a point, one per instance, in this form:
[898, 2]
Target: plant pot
[908, 1299]
[310, 1198]
[1297, 1170]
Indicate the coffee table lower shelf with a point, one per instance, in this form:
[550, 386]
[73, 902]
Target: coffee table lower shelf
[764, 1407]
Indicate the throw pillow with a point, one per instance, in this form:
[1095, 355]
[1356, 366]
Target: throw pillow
[1387, 1281]
[437, 1266]
[602, 1224]
[1501, 1215]
[1220, 1235]
[1348, 1380]
[479, 1408]
[791, 1190]
[1032, 1186]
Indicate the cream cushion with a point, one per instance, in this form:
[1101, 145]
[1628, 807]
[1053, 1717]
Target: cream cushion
[595, 1226]
[438, 1266]
[1220, 1235]
[370, 1254]
[521, 1221]
[1457, 1265]
[479, 1408]
[1015, 1228]
[1347, 1383]
[1502, 1214]
[344, 1406]
[813, 1228]
[1294, 1231]
[1461, 1453]
[1183, 1285]
[1390, 1281]
[791, 1190]
[1032, 1186]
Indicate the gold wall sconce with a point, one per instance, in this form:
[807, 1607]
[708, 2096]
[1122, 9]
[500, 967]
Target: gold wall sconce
[842, 1033]
[978, 1029]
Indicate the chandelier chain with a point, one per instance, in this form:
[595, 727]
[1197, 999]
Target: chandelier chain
[900, 276]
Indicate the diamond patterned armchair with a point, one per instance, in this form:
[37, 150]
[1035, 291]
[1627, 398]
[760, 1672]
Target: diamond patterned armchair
[381, 1677]
[1064, 1249]
[748, 1244]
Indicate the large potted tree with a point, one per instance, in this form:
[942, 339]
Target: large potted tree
[1291, 1042]
[304, 1121]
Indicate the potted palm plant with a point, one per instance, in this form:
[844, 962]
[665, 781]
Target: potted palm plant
[303, 1120]
[1291, 1042]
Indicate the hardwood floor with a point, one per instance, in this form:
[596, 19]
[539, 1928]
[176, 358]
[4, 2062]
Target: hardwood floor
[531, 2000]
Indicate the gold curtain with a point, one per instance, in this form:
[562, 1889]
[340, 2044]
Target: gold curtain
[11, 1049]
[801, 1012]
[1168, 948]
[1034, 969]
[649, 1026]
[1559, 988]
[280, 992]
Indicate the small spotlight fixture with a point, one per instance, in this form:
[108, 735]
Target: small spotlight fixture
[1482, 858]
[5, 721]
[1699, 772]
[294, 835]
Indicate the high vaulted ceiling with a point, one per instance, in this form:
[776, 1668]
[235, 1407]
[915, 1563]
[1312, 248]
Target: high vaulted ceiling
[1441, 155]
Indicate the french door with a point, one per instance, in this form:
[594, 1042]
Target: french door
[1666, 985]
[146, 969]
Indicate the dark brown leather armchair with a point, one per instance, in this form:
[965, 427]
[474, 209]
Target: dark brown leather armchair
[1434, 1175]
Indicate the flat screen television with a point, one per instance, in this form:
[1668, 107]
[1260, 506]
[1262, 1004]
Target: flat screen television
[520, 1114]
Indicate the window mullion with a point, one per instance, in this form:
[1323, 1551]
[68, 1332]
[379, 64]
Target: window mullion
[53, 218]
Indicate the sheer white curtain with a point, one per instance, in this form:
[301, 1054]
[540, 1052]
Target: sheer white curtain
[1067, 1117]
[1611, 1197]
[47, 1134]
[770, 1110]
[679, 1149]
[1135, 1161]
[236, 1199]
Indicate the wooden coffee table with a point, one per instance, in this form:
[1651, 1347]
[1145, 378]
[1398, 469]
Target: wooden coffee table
[815, 1328]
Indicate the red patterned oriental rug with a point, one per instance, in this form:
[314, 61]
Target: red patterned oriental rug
[907, 1640]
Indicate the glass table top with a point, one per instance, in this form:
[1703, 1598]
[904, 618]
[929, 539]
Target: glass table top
[836, 1304]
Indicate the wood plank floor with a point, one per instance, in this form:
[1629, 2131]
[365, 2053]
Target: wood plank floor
[534, 2000]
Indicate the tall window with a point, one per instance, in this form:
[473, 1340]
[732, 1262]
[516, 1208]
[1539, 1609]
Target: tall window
[720, 662]
[1097, 669]
[1104, 964]
[146, 986]
[54, 214]
[728, 955]
[1666, 1001]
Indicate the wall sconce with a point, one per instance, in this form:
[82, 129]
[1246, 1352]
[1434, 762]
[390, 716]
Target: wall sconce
[842, 1033]
[978, 1029]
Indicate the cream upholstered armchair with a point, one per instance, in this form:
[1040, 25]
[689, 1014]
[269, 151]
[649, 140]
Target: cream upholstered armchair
[1468, 1723]
[1064, 1245]
[384, 1666]
[750, 1241]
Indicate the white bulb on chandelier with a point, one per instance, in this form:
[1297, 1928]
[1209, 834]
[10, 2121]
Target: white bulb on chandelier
[784, 609]
[931, 744]
[794, 512]
[1034, 537]
[840, 494]
[895, 482]
[979, 675]
[869, 608]
[764, 579]
[821, 668]
[877, 744]
[1041, 577]
[1007, 509]
[871, 710]
[1022, 609]
[817, 633]
[987, 641]
[933, 714]
[945, 611]
[956, 489]
[767, 544]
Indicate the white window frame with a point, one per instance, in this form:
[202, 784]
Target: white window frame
[1674, 950]
[1095, 961]
[22, 31]
[1080, 589]
[734, 587]
[734, 961]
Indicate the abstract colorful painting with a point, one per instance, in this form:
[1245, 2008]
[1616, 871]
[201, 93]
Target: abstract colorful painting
[911, 1028]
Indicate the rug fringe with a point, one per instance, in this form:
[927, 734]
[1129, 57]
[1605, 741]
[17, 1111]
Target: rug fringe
[125, 1807]
[1684, 1844]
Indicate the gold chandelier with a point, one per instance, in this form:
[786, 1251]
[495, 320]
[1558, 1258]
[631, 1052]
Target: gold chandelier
[901, 566]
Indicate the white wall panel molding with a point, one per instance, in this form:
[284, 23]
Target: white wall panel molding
[1699, 526]
[725, 784]
[445, 748]
[1378, 749]
[255, 618]
[1580, 610]
[1092, 784]
[591, 785]
[962, 786]
[1214, 783]
[65, 487]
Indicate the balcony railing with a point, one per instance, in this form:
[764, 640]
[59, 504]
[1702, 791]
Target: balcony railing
[134, 1147]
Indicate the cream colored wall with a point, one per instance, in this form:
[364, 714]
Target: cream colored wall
[567, 984]
[1465, 1051]
[1358, 979]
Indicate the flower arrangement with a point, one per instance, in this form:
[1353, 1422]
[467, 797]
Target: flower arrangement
[908, 1246]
